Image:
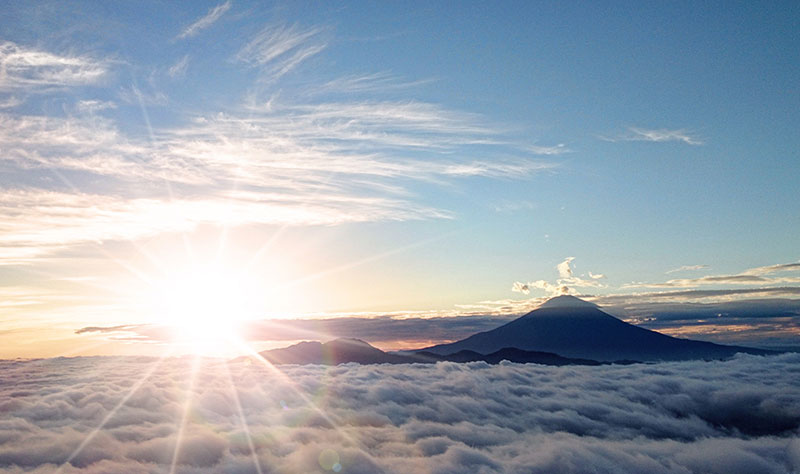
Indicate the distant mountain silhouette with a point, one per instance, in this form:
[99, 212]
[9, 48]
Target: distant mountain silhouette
[338, 351]
[574, 328]
[341, 351]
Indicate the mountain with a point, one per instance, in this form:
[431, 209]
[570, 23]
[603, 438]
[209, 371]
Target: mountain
[338, 351]
[574, 328]
[341, 351]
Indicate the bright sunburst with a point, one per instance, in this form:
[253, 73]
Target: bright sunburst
[204, 306]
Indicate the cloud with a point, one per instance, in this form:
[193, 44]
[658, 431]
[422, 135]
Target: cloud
[294, 165]
[657, 135]
[564, 269]
[404, 330]
[211, 17]
[94, 106]
[33, 70]
[678, 417]
[133, 95]
[770, 269]
[373, 83]
[278, 49]
[10, 102]
[548, 150]
[758, 275]
[520, 287]
[179, 68]
[564, 284]
[688, 268]
[280, 163]
[35, 223]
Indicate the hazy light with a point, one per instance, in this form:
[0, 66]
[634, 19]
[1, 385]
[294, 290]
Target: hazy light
[205, 306]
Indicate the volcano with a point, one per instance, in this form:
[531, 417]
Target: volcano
[570, 327]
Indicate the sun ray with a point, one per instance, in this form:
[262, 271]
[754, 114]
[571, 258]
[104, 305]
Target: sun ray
[363, 261]
[111, 413]
[277, 324]
[187, 405]
[308, 401]
[243, 419]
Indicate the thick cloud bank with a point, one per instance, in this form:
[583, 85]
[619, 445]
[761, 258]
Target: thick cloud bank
[738, 416]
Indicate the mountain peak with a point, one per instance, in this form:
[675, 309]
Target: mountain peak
[566, 301]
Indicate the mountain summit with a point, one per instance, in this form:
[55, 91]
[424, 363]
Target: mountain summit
[566, 301]
[570, 327]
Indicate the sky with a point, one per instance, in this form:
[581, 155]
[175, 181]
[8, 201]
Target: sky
[178, 165]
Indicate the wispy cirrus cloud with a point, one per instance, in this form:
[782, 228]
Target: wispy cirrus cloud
[29, 69]
[35, 223]
[770, 269]
[209, 19]
[549, 150]
[753, 276]
[10, 102]
[686, 268]
[638, 134]
[317, 163]
[179, 68]
[277, 49]
[367, 83]
[304, 165]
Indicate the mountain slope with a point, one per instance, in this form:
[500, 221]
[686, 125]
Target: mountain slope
[571, 327]
[342, 351]
[338, 351]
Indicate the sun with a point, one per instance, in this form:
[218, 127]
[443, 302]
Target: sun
[204, 308]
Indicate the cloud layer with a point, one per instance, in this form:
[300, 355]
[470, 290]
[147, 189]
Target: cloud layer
[739, 416]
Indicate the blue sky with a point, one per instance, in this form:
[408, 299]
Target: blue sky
[374, 157]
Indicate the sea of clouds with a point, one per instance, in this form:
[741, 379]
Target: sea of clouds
[736, 416]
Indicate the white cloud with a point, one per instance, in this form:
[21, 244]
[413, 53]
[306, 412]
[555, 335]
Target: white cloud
[686, 268]
[657, 135]
[10, 102]
[520, 287]
[564, 269]
[566, 282]
[279, 49]
[322, 164]
[548, 150]
[94, 106]
[374, 83]
[34, 223]
[179, 68]
[30, 69]
[753, 276]
[679, 417]
[209, 19]
[770, 269]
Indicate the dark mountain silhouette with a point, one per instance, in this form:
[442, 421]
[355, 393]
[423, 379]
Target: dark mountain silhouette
[341, 351]
[338, 351]
[574, 328]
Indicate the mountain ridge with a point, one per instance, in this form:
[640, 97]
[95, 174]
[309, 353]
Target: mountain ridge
[573, 328]
[347, 350]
